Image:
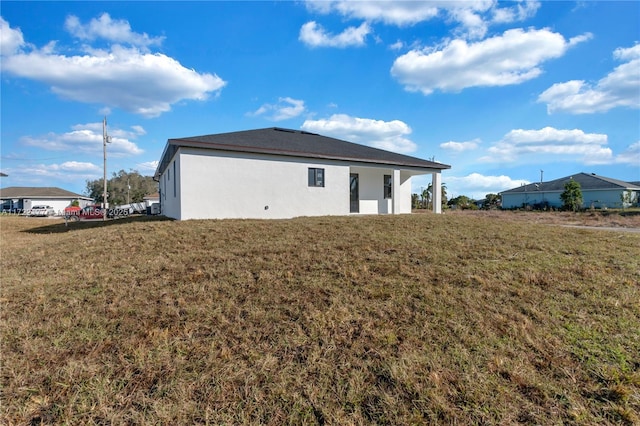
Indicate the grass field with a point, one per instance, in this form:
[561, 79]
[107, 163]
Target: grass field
[417, 319]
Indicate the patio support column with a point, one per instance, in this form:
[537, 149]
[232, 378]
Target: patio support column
[395, 192]
[436, 192]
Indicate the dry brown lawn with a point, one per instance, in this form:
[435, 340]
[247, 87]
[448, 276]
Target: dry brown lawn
[416, 319]
[629, 218]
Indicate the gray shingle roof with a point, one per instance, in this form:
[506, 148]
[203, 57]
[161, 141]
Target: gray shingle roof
[586, 181]
[294, 143]
[38, 192]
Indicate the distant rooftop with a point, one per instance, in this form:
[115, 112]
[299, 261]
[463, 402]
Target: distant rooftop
[589, 181]
[38, 192]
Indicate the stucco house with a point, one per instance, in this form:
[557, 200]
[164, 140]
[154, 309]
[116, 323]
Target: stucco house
[23, 198]
[276, 173]
[597, 192]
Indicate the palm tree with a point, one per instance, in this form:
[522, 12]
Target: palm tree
[443, 191]
[426, 197]
[427, 193]
[414, 201]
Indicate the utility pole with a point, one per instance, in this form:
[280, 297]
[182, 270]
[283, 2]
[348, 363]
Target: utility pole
[541, 174]
[105, 140]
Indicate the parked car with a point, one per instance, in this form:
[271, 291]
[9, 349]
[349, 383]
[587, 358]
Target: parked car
[42, 211]
[91, 212]
[72, 213]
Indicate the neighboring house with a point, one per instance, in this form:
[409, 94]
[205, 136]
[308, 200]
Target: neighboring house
[282, 173]
[597, 192]
[152, 202]
[151, 199]
[22, 199]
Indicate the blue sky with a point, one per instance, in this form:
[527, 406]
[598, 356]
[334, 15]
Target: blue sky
[504, 92]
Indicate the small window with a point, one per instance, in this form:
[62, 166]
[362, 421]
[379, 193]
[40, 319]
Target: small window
[316, 177]
[387, 186]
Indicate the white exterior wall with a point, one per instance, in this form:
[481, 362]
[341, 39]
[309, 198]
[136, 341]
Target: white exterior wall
[371, 181]
[169, 187]
[57, 204]
[218, 185]
[371, 192]
[404, 193]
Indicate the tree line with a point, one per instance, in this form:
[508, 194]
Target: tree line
[571, 198]
[122, 188]
[424, 199]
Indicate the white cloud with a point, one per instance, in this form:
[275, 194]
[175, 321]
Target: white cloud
[573, 41]
[87, 139]
[474, 16]
[75, 166]
[148, 165]
[390, 12]
[285, 109]
[477, 186]
[11, 40]
[627, 54]
[397, 45]
[549, 134]
[460, 146]
[631, 155]
[521, 11]
[555, 144]
[314, 35]
[473, 25]
[128, 78]
[44, 174]
[387, 135]
[117, 31]
[511, 58]
[620, 88]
